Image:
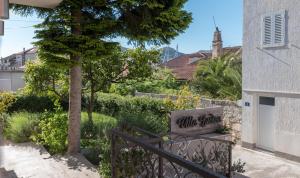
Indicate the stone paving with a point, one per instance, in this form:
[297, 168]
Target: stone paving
[261, 164]
[28, 160]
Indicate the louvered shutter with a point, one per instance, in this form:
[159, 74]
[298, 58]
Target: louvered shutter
[267, 30]
[279, 29]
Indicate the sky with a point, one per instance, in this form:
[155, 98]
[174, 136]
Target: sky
[228, 15]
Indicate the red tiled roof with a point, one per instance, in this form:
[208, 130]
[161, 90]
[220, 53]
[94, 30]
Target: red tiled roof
[184, 67]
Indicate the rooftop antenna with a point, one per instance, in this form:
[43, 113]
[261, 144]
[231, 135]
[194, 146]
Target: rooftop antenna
[215, 22]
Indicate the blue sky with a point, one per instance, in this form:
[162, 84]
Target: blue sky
[19, 32]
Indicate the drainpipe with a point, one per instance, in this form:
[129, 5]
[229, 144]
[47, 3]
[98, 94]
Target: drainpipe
[23, 58]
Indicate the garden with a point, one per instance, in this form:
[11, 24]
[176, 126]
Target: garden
[41, 116]
[83, 82]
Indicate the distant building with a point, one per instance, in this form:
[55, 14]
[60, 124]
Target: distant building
[19, 59]
[184, 66]
[12, 69]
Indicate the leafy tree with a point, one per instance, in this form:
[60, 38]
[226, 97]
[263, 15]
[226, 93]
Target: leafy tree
[161, 81]
[220, 77]
[76, 30]
[98, 74]
[42, 79]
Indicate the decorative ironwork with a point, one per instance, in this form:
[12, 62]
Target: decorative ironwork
[140, 154]
[214, 154]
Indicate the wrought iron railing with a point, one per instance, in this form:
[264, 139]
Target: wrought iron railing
[137, 153]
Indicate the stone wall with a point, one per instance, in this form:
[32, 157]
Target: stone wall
[232, 111]
[232, 114]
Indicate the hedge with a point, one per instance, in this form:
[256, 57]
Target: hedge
[114, 105]
[31, 103]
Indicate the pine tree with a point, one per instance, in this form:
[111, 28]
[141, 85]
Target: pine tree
[76, 30]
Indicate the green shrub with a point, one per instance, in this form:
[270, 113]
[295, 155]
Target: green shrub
[31, 104]
[146, 121]
[20, 126]
[53, 131]
[95, 142]
[6, 100]
[113, 105]
[98, 129]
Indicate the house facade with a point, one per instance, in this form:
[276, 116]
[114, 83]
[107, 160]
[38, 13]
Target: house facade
[12, 69]
[19, 59]
[271, 76]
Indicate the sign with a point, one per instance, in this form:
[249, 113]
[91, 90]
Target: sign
[200, 121]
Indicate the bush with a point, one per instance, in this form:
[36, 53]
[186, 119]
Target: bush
[96, 142]
[6, 100]
[53, 131]
[98, 129]
[113, 105]
[146, 121]
[20, 126]
[31, 104]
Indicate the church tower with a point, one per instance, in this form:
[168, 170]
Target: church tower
[217, 44]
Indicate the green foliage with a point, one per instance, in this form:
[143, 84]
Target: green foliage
[161, 81]
[238, 166]
[98, 129]
[96, 144]
[53, 131]
[6, 100]
[31, 103]
[44, 80]
[76, 31]
[220, 78]
[113, 105]
[20, 126]
[186, 99]
[223, 130]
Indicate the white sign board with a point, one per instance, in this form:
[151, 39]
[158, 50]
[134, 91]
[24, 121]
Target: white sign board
[200, 121]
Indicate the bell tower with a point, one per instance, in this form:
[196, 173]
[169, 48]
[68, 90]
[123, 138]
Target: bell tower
[217, 44]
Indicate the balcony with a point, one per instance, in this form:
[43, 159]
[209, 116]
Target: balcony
[37, 3]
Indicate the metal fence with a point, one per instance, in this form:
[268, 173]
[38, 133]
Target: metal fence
[137, 153]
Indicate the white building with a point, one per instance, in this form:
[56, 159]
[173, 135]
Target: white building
[12, 69]
[11, 80]
[271, 76]
[19, 59]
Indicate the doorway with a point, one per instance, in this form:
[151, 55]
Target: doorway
[266, 123]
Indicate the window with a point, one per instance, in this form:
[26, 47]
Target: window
[274, 29]
[267, 101]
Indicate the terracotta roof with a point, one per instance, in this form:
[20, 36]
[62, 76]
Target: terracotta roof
[184, 67]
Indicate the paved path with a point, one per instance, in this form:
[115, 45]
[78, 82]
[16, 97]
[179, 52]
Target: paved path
[30, 161]
[265, 165]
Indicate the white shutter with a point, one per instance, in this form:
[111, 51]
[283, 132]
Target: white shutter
[274, 30]
[267, 30]
[279, 29]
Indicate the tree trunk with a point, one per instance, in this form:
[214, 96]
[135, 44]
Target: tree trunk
[75, 92]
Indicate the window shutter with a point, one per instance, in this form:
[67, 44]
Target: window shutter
[267, 30]
[279, 29]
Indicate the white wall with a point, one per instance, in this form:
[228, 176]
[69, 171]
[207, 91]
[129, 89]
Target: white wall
[273, 69]
[11, 80]
[272, 72]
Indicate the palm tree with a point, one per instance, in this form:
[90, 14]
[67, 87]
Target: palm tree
[220, 77]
